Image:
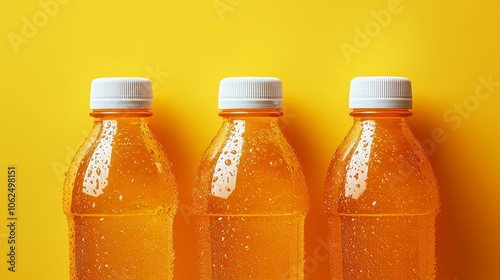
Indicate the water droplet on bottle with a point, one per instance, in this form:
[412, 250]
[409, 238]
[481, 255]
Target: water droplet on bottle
[227, 162]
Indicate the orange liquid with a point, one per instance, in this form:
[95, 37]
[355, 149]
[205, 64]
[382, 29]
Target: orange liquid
[381, 197]
[120, 198]
[251, 226]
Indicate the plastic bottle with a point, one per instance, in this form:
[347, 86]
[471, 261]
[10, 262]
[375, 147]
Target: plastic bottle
[120, 194]
[381, 194]
[250, 196]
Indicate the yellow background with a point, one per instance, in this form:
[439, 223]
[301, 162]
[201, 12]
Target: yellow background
[51, 50]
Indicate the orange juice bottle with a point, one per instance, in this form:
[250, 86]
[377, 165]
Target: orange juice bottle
[250, 196]
[120, 194]
[381, 195]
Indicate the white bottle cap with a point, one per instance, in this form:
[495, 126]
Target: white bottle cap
[121, 93]
[250, 93]
[380, 92]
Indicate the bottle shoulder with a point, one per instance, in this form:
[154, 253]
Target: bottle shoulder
[251, 170]
[380, 168]
[120, 163]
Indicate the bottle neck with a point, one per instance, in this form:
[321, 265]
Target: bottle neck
[252, 119]
[390, 120]
[392, 113]
[250, 113]
[110, 114]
